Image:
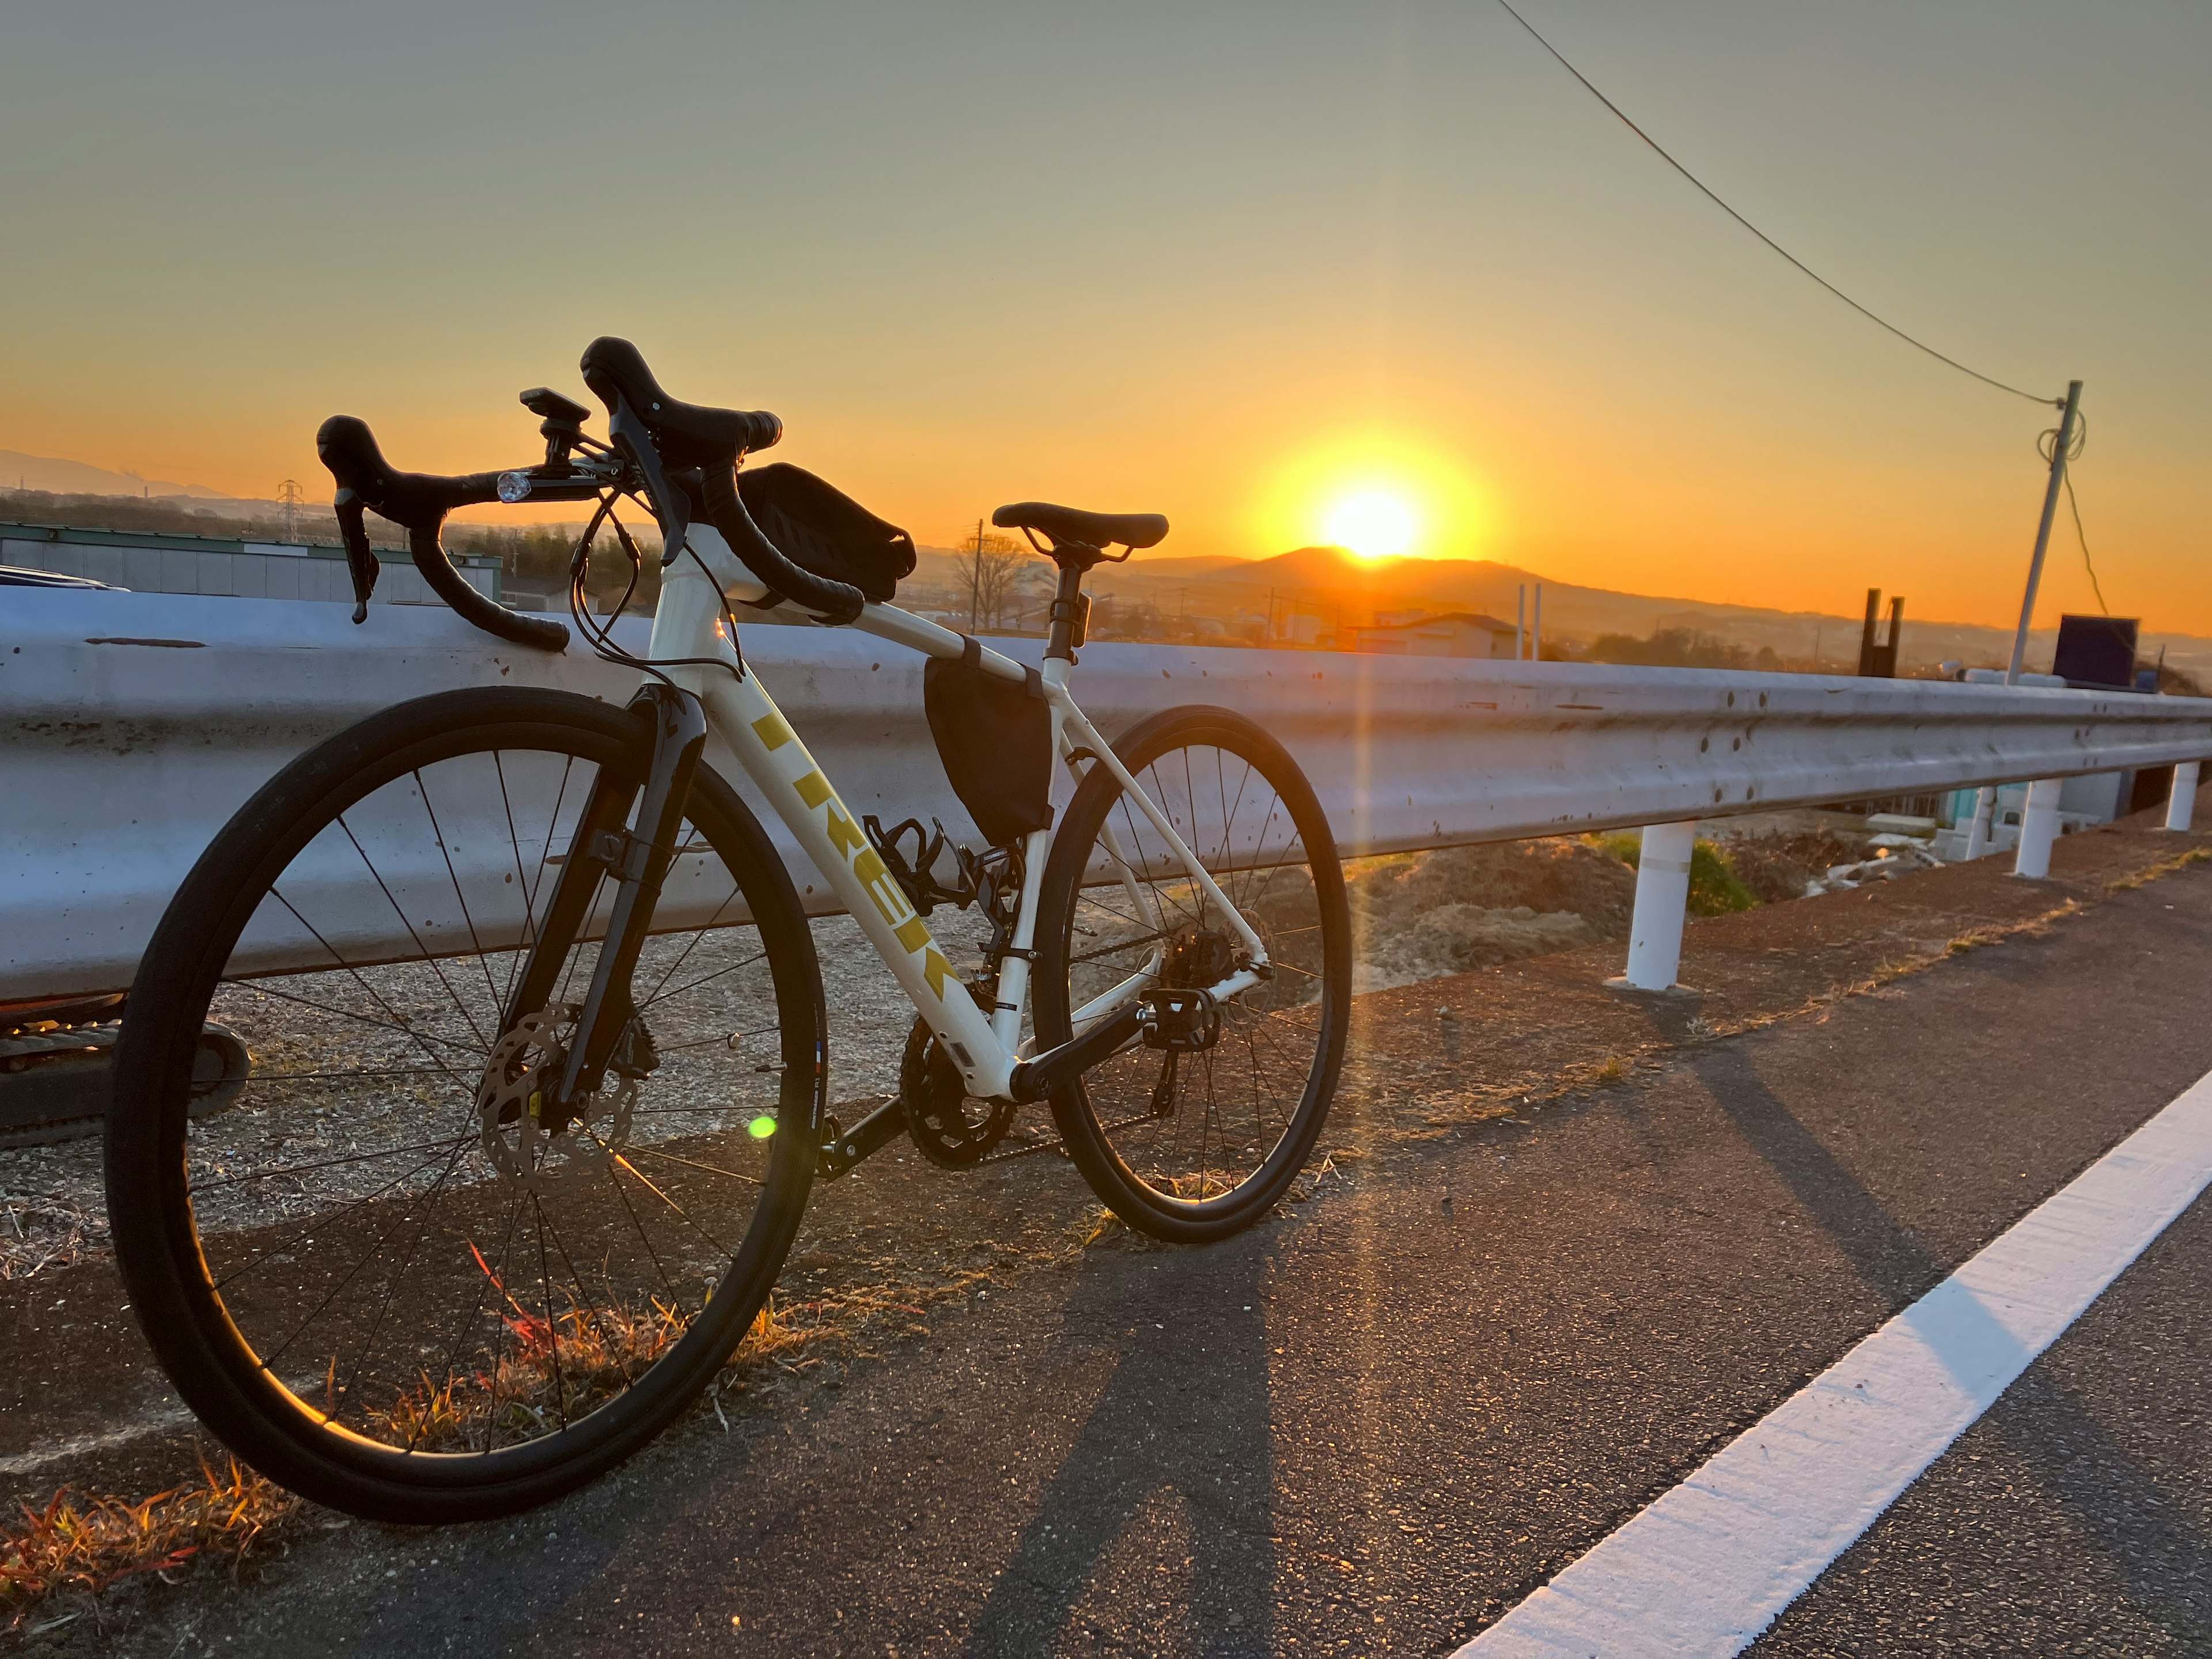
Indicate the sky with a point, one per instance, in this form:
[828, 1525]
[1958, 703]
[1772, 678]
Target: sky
[1233, 262]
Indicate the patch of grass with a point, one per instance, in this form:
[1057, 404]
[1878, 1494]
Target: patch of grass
[40, 1234]
[89, 1544]
[1625, 845]
[1716, 890]
[2163, 868]
[1974, 938]
[1096, 1225]
[583, 1357]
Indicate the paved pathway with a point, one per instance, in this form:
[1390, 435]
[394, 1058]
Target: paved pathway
[1378, 1424]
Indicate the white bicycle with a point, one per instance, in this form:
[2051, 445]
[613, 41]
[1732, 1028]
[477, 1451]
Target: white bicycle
[540, 1080]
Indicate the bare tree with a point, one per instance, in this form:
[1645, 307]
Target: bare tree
[994, 570]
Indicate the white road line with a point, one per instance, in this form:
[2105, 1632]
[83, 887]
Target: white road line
[85, 1445]
[1711, 1564]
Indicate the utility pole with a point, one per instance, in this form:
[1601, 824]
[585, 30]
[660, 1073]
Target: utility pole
[1985, 801]
[2043, 529]
[291, 495]
[975, 578]
[1536, 627]
[1521, 623]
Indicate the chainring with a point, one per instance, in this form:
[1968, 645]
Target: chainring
[525, 1063]
[948, 1126]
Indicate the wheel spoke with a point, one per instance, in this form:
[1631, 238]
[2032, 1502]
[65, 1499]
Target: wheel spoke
[1224, 1113]
[338, 1208]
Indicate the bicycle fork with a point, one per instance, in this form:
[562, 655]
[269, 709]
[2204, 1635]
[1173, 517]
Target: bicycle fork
[638, 860]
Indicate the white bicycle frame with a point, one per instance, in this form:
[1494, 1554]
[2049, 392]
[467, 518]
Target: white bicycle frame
[688, 622]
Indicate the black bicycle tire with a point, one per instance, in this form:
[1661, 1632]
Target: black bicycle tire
[1187, 1221]
[157, 1249]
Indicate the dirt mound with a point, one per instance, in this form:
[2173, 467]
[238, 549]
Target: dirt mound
[1463, 908]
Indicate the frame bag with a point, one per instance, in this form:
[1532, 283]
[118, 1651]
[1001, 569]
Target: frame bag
[996, 739]
[820, 528]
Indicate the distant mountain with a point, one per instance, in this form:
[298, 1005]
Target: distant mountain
[1331, 585]
[61, 477]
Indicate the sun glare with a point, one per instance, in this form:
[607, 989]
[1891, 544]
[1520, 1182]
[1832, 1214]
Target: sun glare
[1373, 524]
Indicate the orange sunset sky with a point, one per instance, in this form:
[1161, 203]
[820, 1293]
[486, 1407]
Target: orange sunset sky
[1237, 263]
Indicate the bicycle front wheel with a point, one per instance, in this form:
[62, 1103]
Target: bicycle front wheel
[1191, 1146]
[381, 1277]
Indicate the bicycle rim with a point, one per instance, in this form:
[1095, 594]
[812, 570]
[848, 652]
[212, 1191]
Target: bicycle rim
[1196, 1145]
[377, 1275]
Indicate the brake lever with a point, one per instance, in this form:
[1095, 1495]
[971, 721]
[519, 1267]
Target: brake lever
[362, 562]
[670, 505]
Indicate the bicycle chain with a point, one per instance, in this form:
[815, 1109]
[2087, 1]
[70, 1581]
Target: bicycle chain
[19, 1043]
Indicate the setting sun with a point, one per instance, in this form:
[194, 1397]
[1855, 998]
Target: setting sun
[1374, 524]
[1379, 496]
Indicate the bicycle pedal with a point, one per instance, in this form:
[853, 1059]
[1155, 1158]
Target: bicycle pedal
[1185, 1021]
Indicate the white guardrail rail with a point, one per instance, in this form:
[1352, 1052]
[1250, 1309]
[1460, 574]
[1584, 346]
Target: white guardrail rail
[132, 725]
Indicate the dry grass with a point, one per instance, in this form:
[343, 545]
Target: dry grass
[2163, 868]
[38, 1235]
[561, 1368]
[89, 1545]
[1096, 1224]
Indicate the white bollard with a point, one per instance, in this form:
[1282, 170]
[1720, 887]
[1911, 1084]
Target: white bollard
[2181, 805]
[2039, 827]
[1985, 812]
[1662, 897]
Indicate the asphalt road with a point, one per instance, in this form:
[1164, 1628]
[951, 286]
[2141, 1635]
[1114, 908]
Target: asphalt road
[1372, 1426]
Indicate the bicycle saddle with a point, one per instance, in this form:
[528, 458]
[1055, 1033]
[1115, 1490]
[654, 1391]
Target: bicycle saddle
[687, 435]
[1068, 524]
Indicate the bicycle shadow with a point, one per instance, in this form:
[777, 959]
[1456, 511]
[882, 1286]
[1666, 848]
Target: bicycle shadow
[1176, 1454]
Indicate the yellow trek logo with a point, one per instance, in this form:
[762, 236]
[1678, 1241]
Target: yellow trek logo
[864, 861]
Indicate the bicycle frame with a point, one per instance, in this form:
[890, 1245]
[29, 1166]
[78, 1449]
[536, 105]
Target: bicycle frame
[987, 1049]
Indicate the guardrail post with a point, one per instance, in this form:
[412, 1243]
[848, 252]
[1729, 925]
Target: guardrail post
[1985, 812]
[2181, 805]
[2039, 827]
[1662, 897]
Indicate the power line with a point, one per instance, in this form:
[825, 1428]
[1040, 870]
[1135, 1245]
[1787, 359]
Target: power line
[2082, 536]
[1659, 150]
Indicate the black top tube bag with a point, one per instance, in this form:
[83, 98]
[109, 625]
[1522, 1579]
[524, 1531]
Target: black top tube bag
[821, 529]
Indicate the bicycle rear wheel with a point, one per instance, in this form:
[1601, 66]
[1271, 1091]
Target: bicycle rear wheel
[378, 1277]
[1191, 1146]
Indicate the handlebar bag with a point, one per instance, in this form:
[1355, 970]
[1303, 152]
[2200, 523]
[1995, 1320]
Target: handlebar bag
[821, 529]
[995, 738]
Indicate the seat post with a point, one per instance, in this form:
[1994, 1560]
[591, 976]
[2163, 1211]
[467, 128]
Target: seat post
[1071, 610]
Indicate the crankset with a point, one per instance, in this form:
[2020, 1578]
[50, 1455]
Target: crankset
[950, 1128]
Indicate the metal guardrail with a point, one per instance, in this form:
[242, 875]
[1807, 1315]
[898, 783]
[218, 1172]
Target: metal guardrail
[132, 725]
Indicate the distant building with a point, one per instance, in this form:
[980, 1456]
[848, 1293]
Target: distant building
[1456, 633]
[160, 564]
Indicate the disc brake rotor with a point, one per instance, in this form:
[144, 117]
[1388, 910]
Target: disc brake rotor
[519, 1081]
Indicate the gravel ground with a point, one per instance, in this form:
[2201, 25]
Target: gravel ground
[340, 1080]
[352, 1086]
